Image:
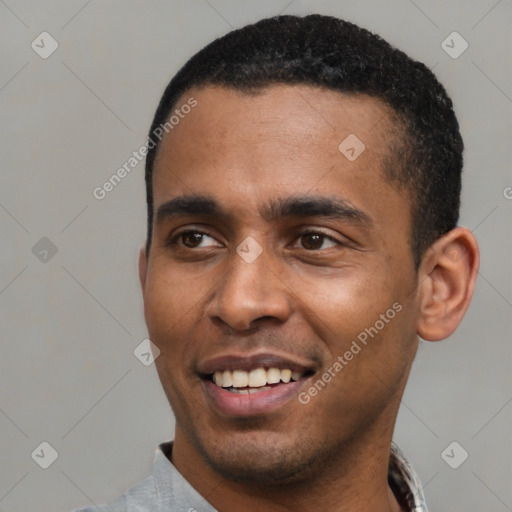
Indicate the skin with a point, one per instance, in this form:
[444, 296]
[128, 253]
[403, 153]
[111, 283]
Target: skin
[304, 296]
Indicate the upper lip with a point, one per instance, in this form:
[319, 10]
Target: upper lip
[248, 362]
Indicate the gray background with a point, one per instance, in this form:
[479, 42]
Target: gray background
[69, 325]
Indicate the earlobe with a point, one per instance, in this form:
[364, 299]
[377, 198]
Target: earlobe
[143, 264]
[448, 274]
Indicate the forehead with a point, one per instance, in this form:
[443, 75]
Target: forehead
[279, 140]
[294, 111]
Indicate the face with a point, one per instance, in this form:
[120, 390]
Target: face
[275, 252]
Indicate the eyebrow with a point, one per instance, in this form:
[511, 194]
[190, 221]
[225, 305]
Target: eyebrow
[295, 206]
[314, 206]
[188, 205]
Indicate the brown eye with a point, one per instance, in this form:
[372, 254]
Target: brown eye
[312, 241]
[316, 240]
[194, 239]
[191, 239]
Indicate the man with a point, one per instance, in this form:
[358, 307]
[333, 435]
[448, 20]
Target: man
[303, 201]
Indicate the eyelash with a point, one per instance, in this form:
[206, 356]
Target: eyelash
[176, 238]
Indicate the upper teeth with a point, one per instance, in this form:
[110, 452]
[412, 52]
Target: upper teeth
[255, 378]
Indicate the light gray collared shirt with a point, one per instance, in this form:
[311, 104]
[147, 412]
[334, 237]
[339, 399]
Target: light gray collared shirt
[167, 491]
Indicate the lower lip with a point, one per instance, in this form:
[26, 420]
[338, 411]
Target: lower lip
[250, 404]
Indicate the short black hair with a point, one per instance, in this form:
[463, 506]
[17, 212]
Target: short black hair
[331, 53]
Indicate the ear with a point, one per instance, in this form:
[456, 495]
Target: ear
[143, 266]
[447, 276]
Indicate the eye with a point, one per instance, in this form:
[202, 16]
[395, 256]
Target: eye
[194, 239]
[315, 240]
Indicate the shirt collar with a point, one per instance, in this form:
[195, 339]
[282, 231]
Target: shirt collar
[404, 481]
[172, 490]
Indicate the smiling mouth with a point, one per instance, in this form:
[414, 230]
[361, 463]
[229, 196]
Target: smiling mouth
[255, 381]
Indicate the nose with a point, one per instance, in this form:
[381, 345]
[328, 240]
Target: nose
[249, 293]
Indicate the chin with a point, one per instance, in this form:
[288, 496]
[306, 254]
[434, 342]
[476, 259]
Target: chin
[245, 470]
[266, 462]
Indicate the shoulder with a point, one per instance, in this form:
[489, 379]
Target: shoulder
[140, 498]
[166, 490]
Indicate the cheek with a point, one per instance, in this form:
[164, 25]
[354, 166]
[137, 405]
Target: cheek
[169, 295]
[346, 302]
[368, 322]
[169, 322]
[370, 356]
[167, 306]
[174, 307]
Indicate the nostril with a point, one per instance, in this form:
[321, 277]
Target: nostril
[232, 328]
